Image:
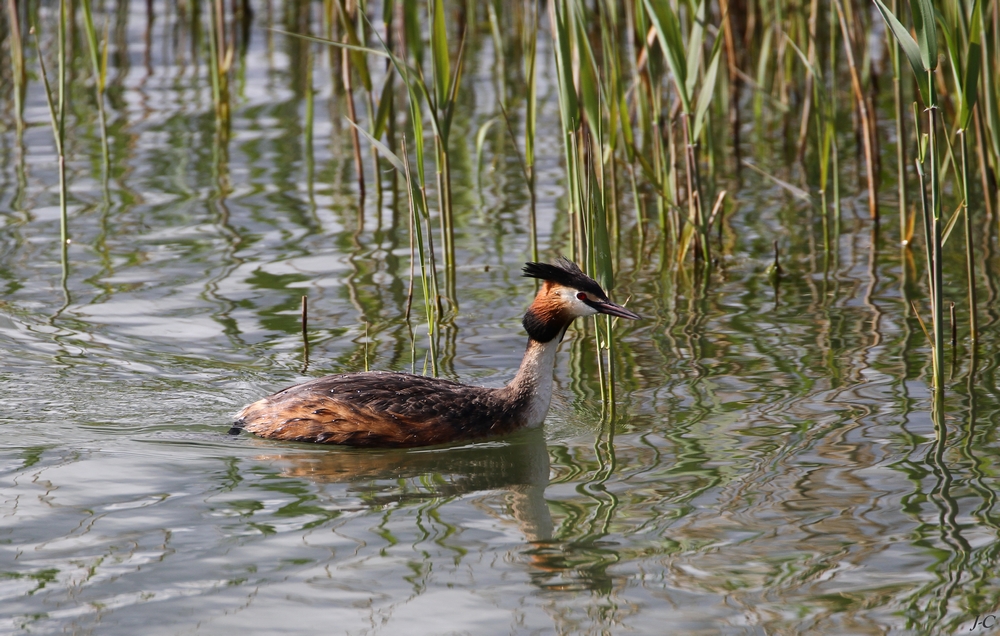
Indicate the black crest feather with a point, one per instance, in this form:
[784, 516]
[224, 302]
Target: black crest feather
[566, 273]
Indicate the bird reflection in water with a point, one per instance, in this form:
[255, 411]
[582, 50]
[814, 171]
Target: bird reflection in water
[517, 464]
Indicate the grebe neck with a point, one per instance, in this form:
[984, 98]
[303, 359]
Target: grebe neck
[532, 386]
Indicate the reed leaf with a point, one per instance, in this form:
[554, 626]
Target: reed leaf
[98, 61]
[669, 34]
[439, 53]
[601, 243]
[925, 26]
[428, 274]
[568, 103]
[687, 234]
[763, 63]
[530, 74]
[626, 123]
[493, 12]
[923, 326]
[650, 173]
[795, 191]
[590, 88]
[964, 68]
[417, 122]
[480, 142]
[103, 75]
[342, 45]
[94, 50]
[413, 31]
[913, 52]
[396, 162]
[358, 61]
[414, 86]
[54, 110]
[614, 88]
[448, 106]
[20, 76]
[973, 63]
[947, 26]
[803, 57]
[952, 221]
[385, 107]
[57, 117]
[707, 91]
[695, 41]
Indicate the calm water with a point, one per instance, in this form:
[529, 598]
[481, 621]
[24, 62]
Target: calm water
[773, 466]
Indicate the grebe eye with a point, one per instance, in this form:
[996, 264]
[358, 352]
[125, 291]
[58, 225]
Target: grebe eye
[582, 296]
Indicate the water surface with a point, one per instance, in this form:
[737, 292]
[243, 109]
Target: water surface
[772, 466]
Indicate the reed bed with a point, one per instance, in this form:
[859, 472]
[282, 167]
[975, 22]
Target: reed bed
[656, 100]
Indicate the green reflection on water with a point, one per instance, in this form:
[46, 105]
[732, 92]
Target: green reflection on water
[774, 463]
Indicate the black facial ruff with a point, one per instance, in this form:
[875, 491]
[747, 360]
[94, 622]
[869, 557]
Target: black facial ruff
[541, 330]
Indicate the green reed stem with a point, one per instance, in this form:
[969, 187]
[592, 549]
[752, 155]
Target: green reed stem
[308, 128]
[493, 13]
[583, 149]
[427, 276]
[530, 120]
[345, 71]
[695, 207]
[832, 68]
[63, 213]
[445, 214]
[897, 109]
[441, 98]
[220, 59]
[99, 67]
[569, 112]
[575, 195]
[17, 67]
[970, 262]
[928, 223]
[612, 394]
[57, 113]
[304, 317]
[932, 229]
[936, 268]
[866, 134]
[366, 83]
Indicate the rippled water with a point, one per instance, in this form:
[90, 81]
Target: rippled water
[773, 465]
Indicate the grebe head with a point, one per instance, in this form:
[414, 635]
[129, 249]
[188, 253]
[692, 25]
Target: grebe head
[567, 293]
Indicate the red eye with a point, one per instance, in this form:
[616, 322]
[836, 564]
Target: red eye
[582, 296]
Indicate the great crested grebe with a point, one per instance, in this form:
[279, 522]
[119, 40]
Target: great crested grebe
[384, 409]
